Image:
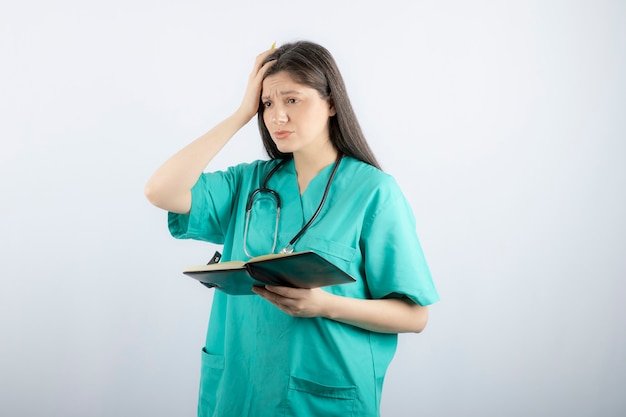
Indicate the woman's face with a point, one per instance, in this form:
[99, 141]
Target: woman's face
[295, 114]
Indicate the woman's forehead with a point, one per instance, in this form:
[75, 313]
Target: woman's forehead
[282, 82]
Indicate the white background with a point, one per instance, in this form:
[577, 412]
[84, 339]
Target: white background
[503, 122]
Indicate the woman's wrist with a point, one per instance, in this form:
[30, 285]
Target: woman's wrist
[242, 116]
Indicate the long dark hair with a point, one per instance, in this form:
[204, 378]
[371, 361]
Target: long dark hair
[312, 65]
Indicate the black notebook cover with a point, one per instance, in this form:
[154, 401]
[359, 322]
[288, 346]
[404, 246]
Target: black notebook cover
[298, 270]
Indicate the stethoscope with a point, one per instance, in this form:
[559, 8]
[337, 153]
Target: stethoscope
[264, 189]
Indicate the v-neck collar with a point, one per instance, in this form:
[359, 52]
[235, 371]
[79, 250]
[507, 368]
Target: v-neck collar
[310, 199]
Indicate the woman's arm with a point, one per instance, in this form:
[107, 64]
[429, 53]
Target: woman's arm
[170, 186]
[388, 315]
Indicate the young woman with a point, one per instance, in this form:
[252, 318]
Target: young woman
[286, 351]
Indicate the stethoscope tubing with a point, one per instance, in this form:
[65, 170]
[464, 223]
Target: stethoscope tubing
[265, 189]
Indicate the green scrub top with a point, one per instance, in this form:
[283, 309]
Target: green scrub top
[261, 362]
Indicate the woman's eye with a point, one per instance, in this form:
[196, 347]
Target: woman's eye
[267, 104]
[291, 100]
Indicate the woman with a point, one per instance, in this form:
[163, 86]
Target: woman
[286, 351]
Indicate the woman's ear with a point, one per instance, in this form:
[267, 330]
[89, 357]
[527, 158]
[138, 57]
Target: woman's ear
[331, 106]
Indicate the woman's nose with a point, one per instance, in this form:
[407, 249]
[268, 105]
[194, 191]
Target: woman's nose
[279, 116]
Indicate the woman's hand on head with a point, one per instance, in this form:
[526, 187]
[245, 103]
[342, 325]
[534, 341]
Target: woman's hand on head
[250, 103]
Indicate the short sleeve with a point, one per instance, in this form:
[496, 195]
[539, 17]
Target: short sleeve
[395, 266]
[212, 200]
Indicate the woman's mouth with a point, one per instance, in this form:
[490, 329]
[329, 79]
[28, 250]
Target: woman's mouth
[282, 134]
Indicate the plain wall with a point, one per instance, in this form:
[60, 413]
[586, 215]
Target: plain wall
[502, 121]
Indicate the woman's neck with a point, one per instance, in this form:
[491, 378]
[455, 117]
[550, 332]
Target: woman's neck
[308, 165]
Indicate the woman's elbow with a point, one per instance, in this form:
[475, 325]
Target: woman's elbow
[174, 202]
[420, 318]
[151, 191]
[157, 195]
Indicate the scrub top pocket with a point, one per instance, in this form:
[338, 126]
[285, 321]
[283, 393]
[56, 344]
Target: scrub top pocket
[309, 399]
[260, 233]
[210, 378]
[335, 252]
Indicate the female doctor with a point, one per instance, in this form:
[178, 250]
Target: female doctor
[286, 351]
